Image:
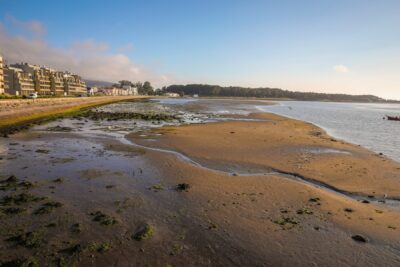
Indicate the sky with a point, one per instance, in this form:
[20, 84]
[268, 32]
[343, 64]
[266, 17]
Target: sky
[331, 46]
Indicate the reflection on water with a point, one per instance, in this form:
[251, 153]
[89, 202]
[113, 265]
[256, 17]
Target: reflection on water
[361, 124]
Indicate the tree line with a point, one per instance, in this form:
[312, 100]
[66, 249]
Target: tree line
[266, 92]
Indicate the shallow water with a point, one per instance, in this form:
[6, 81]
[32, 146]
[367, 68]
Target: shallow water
[360, 124]
[357, 123]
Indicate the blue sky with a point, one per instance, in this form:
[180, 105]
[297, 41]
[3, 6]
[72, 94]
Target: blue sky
[346, 46]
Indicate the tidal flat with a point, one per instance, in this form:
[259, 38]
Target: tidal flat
[191, 182]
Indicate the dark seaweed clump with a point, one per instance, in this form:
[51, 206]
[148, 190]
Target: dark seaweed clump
[59, 128]
[13, 183]
[144, 232]
[48, 207]
[20, 199]
[103, 219]
[102, 115]
[32, 239]
[29, 262]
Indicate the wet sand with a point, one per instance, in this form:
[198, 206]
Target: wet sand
[280, 144]
[242, 208]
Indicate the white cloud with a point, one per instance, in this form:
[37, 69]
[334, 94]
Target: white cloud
[88, 58]
[341, 69]
[34, 27]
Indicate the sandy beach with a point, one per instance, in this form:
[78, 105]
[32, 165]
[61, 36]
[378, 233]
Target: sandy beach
[248, 190]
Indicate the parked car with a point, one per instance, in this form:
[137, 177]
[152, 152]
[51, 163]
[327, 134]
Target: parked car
[32, 96]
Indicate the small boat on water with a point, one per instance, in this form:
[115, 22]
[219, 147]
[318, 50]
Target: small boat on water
[393, 118]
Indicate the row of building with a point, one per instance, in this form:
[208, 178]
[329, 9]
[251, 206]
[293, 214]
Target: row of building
[24, 79]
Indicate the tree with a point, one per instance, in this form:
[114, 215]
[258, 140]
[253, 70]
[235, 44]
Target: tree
[146, 88]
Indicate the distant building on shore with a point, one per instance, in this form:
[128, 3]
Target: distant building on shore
[1, 76]
[130, 90]
[24, 79]
[113, 91]
[123, 88]
[172, 94]
[92, 90]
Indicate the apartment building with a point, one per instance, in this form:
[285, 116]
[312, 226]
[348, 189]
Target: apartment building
[24, 78]
[74, 85]
[41, 76]
[18, 82]
[57, 83]
[43, 79]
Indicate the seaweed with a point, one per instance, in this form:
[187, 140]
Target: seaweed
[103, 219]
[13, 183]
[76, 228]
[32, 239]
[25, 262]
[144, 232]
[305, 211]
[111, 116]
[20, 199]
[48, 207]
[58, 180]
[286, 222]
[156, 187]
[101, 247]
[13, 210]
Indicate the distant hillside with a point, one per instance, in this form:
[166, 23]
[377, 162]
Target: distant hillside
[94, 83]
[215, 90]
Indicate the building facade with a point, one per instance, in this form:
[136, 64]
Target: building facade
[43, 79]
[74, 85]
[113, 91]
[130, 90]
[24, 79]
[18, 82]
[58, 84]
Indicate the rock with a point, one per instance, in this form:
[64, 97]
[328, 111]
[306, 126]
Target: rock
[359, 238]
[183, 187]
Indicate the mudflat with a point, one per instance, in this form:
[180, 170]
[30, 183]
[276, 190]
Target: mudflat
[248, 190]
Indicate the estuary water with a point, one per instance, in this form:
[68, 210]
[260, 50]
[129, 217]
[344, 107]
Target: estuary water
[357, 123]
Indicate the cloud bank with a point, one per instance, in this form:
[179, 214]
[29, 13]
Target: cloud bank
[89, 58]
[341, 69]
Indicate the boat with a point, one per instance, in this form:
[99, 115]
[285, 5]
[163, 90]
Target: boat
[393, 118]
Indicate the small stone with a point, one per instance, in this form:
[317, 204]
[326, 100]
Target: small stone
[183, 187]
[359, 238]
